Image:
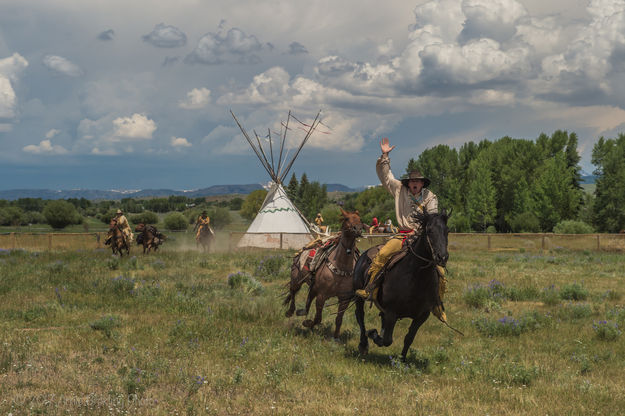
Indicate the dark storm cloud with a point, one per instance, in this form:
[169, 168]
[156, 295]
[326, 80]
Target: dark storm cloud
[107, 35]
[296, 48]
[165, 36]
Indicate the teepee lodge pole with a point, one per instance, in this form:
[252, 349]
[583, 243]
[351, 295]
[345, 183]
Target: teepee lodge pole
[286, 128]
[312, 128]
[247, 137]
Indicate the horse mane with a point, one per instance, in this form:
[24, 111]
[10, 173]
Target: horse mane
[422, 218]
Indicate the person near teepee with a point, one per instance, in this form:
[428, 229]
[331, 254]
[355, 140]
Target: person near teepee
[411, 195]
[202, 221]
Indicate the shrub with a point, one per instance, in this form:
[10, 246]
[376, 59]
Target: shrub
[175, 221]
[146, 217]
[271, 267]
[606, 331]
[106, 324]
[525, 222]
[220, 217]
[60, 214]
[245, 282]
[573, 291]
[252, 204]
[491, 229]
[12, 216]
[459, 223]
[572, 227]
[550, 295]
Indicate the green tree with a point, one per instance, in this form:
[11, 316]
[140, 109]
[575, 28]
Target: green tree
[292, 188]
[60, 214]
[481, 195]
[252, 204]
[442, 166]
[608, 155]
[175, 221]
[12, 216]
[220, 217]
[146, 217]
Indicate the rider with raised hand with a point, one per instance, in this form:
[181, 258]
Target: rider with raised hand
[202, 221]
[411, 196]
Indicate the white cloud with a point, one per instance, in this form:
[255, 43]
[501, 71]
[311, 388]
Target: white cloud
[166, 36]
[234, 47]
[51, 133]
[179, 142]
[196, 98]
[45, 147]
[62, 66]
[10, 70]
[137, 126]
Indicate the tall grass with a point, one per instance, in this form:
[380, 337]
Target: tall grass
[183, 332]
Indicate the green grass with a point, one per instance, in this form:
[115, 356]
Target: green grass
[184, 332]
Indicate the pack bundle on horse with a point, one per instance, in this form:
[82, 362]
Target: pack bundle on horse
[329, 275]
[149, 237]
[117, 239]
[411, 283]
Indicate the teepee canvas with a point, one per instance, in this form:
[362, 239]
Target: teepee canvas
[278, 224]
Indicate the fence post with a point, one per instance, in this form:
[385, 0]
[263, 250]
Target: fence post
[281, 241]
[230, 242]
[50, 242]
[488, 241]
[543, 242]
[598, 243]
[13, 241]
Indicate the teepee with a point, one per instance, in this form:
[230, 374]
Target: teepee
[278, 224]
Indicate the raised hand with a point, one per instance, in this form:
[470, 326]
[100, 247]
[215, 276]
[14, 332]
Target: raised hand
[385, 146]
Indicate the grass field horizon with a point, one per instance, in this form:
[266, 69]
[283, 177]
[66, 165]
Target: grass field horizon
[184, 332]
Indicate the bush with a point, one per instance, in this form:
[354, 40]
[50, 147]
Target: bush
[572, 227]
[252, 204]
[525, 222]
[60, 214]
[606, 331]
[146, 217]
[220, 217]
[491, 229]
[245, 282]
[573, 291]
[459, 223]
[175, 221]
[12, 216]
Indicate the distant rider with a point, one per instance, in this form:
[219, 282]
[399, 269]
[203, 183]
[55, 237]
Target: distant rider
[202, 221]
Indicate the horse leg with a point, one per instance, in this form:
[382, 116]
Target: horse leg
[294, 286]
[343, 304]
[412, 331]
[388, 325]
[319, 303]
[363, 346]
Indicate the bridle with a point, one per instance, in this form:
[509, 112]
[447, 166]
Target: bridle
[428, 262]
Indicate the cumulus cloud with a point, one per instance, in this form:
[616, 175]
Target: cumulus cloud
[106, 35]
[10, 70]
[45, 147]
[51, 133]
[235, 46]
[165, 36]
[196, 98]
[135, 127]
[296, 48]
[62, 66]
[179, 142]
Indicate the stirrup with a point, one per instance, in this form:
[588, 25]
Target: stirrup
[363, 293]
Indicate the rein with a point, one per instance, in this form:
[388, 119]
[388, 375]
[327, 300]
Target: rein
[428, 262]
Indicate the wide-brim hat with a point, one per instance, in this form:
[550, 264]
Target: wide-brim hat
[415, 174]
[119, 211]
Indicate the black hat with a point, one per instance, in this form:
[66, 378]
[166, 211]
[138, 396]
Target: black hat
[415, 174]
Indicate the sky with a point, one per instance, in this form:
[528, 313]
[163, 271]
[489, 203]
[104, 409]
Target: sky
[112, 94]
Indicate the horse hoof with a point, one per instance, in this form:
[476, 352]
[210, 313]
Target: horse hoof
[363, 350]
[288, 314]
[301, 312]
[372, 333]
[308, 323]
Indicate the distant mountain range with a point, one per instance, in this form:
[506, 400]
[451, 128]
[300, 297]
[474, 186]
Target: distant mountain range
[93, 194]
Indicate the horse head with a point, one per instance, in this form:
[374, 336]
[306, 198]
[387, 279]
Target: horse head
[140, 227]
[434, 230]
[351, 223]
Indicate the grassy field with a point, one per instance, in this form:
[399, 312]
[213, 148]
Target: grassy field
[181, 332]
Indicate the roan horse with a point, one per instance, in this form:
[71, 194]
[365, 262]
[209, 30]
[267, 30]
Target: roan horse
[333, 276]
[206, 238]
[118, 240]
[149, 237]
[410, 289]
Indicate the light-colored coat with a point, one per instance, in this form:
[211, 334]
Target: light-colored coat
[404, 204]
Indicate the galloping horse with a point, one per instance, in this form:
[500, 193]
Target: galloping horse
[410, 289]
[149, 237]
[206, 238]
[333, 276]
[118, 240]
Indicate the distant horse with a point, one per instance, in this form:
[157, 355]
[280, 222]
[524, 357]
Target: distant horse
[149, 237]
[206, 238]
[410, 289]
[117, 239]
[333, 276]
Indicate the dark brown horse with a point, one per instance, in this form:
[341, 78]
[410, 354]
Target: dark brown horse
[205, 238]
[333, 277]
[410, 289]
[149, 237]
[117, 239]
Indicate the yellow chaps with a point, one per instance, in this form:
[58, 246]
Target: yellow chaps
[391, 247]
